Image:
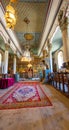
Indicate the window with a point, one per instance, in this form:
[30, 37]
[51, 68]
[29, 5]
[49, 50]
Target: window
[60, 59]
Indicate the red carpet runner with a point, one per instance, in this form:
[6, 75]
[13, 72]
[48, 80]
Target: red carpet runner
[24, 94]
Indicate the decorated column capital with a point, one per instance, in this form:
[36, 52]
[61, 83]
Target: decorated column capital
[67, 15]
[49, 46]
[1, 52]
[45, 53]
[6, 46]
[63, 20]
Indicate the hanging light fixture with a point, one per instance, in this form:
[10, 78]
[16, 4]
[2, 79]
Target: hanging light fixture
[26, 56]
[10, 16]
[28, 37]
[29, 65]
[26, 53]
[25, 59]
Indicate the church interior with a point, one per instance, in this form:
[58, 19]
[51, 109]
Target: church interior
[34, 64]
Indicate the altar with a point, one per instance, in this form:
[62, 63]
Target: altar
[30, 73]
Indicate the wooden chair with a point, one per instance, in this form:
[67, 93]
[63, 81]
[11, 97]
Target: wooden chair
[66, 82]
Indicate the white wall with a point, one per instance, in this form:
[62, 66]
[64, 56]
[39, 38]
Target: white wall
[55, 56]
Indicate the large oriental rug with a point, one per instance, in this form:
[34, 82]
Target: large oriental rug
[24, 94]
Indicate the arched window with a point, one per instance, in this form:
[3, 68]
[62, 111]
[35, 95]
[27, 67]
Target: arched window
[60, 59]
[0, 59]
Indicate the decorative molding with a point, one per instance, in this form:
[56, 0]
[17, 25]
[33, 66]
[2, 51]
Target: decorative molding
[7, 46]
[63, 20]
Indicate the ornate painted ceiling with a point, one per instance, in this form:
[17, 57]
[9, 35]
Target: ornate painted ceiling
[33, 11]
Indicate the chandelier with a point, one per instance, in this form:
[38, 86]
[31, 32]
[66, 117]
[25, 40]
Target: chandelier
[25, 59]
[29, 65]
[26, 56]
[10, 16]
[28, 37]
[26, 53]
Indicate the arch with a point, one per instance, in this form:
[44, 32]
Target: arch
[60, 59]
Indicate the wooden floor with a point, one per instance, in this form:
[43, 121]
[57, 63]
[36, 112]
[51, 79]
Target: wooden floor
[54, 117]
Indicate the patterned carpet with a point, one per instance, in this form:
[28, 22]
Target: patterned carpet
[24, 94]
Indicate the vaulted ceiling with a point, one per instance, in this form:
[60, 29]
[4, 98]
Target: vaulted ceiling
[36, 17]
[33, 12]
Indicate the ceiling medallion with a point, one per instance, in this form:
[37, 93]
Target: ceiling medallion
[28, 36]
[26, 20]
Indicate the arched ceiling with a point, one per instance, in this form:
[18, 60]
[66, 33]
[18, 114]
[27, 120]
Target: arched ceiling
[33, 11]
[35, 17]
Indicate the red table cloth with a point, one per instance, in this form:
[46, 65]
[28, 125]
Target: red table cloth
[6, 82]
